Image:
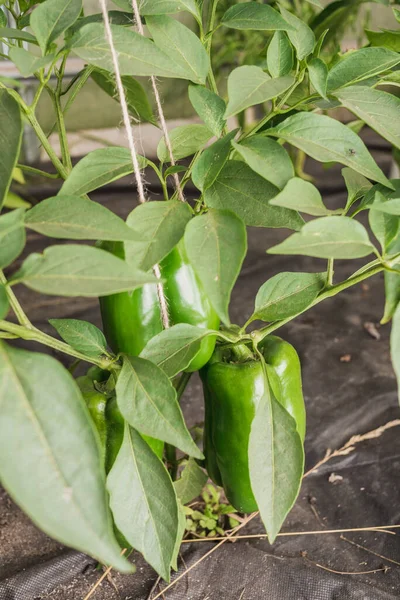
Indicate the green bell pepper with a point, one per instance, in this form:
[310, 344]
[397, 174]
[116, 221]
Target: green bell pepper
[131, 319]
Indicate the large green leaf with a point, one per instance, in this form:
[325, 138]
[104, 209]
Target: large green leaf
[209, 106]
[386, 38]
[328, 140]
[72, 217]
[175, 39]
[138, 104]
[185, 141]
[75, 270]
[81, 335]
[241, 190]
[12, 236]
[378, 109]
[328, 237]
[174, 348]
[216, 244]
[45, 434]
[287, 294]
[252, 15]
[276, 462]
[167, 7]
[280, 55]
[137, 54]
[300, 34]
[361, 64]
[147, 400]
[10, 140]
[143, 502]
[51, 18]
[302, 196]
[27, 63]
[161, 225]
[98, 168]
[267, 158]
[395, 345]
[208, 166]
[249, 85]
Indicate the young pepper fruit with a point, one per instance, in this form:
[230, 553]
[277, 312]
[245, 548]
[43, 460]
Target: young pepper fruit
[234, 381]
[131, 319]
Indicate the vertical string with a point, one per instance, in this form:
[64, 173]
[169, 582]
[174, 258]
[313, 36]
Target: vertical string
[160, 111]
[132, 148]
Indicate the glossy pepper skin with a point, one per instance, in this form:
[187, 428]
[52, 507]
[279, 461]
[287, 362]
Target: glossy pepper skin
[131, 319]
[96, 403]
[233, 383]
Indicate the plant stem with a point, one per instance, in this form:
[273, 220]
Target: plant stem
[15, 305]
[45, 143]
[329, 293]
[330, 273]
[35, 171]
[36, 335]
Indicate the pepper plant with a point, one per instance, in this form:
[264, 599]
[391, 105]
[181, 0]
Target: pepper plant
[93, 460]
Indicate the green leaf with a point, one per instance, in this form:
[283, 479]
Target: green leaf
[267, 158]
[287, 294]
[147, 400]
[51, 18]
[395, 345]
[191, 482]
[160, 224]
[15, 34]
[81, 335]
[28, 63]
[4, 303]
[328, 140]
[390, 207]
[165, 7]
[280, 55]
[300, 34]
[258, 17]
[185, 141]
[208, 166]
[209, 106]
[3, 18]
[302, 196]
[318, 72]
[328, 237]
[72, 217]
[386, 38]
[249, 85]
[392, 286]
[239, 189]
[138, 104]
[77, 270]
[98, 168]
[384, 226]
[361, 64]
[276, 462]
[316, 3]
[143, 502]
[45, 433]
[357, 186]
[216, 244]
[179, 537]
[12, 236]
[378, 109]
[137, 54]
[116, 17]
[174, 349]
[184, 46]
[10, 139]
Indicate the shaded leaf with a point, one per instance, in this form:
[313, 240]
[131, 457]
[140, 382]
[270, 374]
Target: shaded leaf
[4, 303]
[318, 72]
[185, 141]
[251, 15]
[361, 64]
[280, 55]
[165, 7]
[10, 138]
[51, 18]
[209, 106]
[208, 166]
[357, 186]
[392, 286]
[267, 158]
[28, 63]
[300, 34]
[12, 236]
[191, 482]
[384, 226]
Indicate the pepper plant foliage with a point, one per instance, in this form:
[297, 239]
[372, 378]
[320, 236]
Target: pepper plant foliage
[59, 436]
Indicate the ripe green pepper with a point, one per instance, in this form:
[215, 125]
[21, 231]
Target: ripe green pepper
[234, 381]
[131, 319]
[96, 403]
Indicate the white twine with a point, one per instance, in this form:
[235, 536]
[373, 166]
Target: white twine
[160, 111]
[132, 147]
